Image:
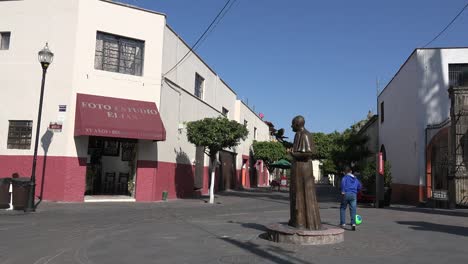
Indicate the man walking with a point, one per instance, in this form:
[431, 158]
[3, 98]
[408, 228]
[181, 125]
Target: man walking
[350, 186]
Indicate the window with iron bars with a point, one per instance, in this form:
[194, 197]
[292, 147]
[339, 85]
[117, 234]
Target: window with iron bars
[19, 134]
[458, 75]
[119, 54]
[199, 86]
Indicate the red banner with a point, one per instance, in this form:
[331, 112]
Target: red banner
[381, 164]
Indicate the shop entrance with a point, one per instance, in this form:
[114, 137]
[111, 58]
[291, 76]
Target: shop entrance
[111, 166]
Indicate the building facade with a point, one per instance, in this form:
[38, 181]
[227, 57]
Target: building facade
[113, 114]
[415, 119]
[370, 130]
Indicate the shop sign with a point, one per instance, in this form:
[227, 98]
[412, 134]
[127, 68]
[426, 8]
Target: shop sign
[120, 112]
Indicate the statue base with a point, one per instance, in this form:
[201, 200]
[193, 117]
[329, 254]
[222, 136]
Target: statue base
[283, 233]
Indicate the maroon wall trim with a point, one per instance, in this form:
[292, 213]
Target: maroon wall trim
[63, 178]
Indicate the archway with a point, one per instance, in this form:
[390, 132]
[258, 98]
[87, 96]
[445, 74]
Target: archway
[437, 162]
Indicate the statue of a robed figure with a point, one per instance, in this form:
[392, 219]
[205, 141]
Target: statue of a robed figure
[304, 207]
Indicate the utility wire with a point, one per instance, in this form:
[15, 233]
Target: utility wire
[451, 22]
[217, 23]
[200, 38]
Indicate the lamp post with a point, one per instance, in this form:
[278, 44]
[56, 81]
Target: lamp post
[45, 57]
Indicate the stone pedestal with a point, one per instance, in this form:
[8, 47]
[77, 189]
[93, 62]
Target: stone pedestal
[282, 233]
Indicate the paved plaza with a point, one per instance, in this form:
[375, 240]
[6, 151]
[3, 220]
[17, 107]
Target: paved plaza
[230, 231]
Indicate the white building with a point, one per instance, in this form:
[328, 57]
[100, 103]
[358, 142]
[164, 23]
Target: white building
[118, 124]
[414, 113]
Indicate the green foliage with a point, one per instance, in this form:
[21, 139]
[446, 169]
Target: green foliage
[387, 174]
[368, 173]
[328, 147]
[328, 167]
[269, 152]
[215, 134]
[323, 144]
[337, 150]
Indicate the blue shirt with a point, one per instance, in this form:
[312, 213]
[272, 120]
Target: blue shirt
[350, 184]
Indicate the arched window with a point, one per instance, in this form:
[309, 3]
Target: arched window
[384, 153]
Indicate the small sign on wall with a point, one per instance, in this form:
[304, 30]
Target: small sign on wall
[440, 195]
[62, 109]
[55, 127]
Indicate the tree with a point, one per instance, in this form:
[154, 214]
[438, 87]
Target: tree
[355, 149]
[337, 150]
[328, 147]
[215, 134]
[323, 144]
[269, 152]
[368, 173]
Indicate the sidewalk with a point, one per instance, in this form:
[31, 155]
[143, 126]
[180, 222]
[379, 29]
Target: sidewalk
[192, 231]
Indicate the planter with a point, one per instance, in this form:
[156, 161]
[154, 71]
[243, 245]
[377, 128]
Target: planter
[21, 188]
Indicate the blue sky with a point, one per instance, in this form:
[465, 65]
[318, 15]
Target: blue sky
[320, 59]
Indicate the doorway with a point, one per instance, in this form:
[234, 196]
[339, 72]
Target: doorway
[111, 166]
[228, 170]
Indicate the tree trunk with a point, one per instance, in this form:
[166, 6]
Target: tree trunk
[213, 168]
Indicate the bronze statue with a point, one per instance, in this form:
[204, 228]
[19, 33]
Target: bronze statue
[304, 207]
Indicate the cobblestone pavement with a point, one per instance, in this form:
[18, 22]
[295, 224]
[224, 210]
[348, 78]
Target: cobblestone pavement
[192, 231]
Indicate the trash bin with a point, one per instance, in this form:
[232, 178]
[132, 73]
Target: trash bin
[20, 192]
[5, 193]
[164, 195]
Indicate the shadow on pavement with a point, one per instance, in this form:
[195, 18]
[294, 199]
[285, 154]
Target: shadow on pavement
[255, 226]
[272, 253]
[260, 195]
[430, 211]
[325, 193]
[427, 226]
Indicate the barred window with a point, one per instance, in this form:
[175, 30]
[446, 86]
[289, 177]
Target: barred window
[458, 75]
[119, 54]
[19, 134]
[199, 85]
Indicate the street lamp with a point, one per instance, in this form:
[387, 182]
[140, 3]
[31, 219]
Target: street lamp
[45, 57]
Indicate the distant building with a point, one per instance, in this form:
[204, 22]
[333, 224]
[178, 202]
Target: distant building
[370, 129]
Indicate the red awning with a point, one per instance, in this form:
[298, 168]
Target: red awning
[118, 118]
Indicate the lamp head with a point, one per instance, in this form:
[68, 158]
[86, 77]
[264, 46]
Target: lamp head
[45, 56]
